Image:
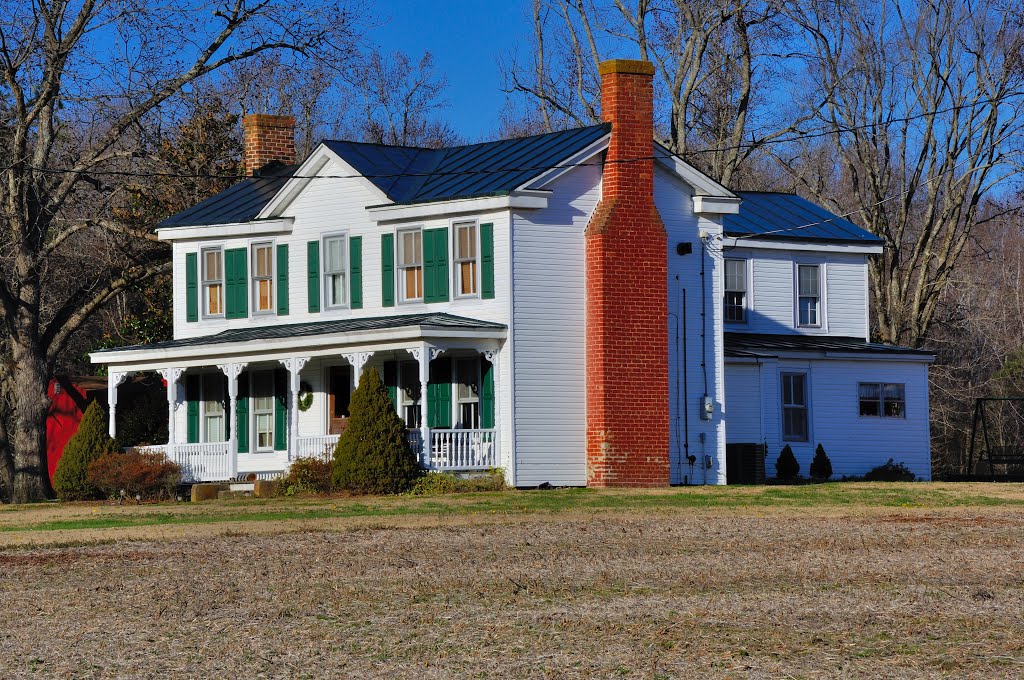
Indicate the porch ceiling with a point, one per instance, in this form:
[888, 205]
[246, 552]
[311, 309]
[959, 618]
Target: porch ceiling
[318, 335]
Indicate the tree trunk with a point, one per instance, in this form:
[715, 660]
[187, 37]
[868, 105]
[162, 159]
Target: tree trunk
[28, 433]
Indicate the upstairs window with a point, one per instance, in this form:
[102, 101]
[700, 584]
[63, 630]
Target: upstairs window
[809, 294]
[410, 264]
[882, 400]
[735, 291]
[335, 271]
[794, 407]
[465, 259]
[213, 282]
[263, 277]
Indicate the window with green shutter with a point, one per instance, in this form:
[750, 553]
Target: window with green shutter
[282, 279]
[391, 382]
[439, 394]
[487, 261]
[236, 283]
[192, 398]
[280, 410]
[387, 270]
[242, 413]
[355, 266]
[435, 265]
[486, 394]
[313, 275]
[191, 287]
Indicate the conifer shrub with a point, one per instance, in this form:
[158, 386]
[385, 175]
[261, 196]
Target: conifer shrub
[786, 467]
[307, 475]
[373, 454]
[134, 474]
[821, 466]
[890, 472]
[70, 479]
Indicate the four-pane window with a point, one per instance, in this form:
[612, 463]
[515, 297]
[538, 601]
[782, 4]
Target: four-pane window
[213, 407]
[465, 259]
[885, 400]
[735, 291]
[263, 409]
[809, 294]
[410, 264]
[213, 282]
[794, 407]
[263, 277]
[335, 270]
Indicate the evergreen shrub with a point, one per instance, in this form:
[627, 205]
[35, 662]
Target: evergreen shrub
[307, 475]
[890, 472]
[70, 479]
[373, 454]
[786, 467]
[821, 466]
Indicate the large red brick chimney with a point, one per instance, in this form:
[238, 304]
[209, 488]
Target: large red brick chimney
[627, 323]
[268, 139]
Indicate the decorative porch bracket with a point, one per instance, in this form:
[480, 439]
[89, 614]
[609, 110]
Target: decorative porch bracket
[232, 371]
[294, 367]
[171, 376]
[358, 361]
[113, 380]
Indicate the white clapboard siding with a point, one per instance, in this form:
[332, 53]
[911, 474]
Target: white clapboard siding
[743, 403]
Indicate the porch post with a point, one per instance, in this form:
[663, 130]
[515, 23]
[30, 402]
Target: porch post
[113, 380]
[294, 368]
[171, 376]
[358, 361]
[232, 371]
[423, 354]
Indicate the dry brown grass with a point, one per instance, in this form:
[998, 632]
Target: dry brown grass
[729, 592]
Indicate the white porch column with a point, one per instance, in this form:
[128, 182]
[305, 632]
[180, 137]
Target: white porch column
[113, 380]
[232, 371]
[171, 376]
[424, 354]
[294, 367]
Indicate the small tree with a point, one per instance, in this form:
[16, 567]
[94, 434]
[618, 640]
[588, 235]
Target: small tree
[373, 454]
[821, 466]
[91, 441]
[786, 467]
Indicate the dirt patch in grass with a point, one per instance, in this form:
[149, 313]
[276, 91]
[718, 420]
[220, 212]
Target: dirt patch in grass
[823, 591]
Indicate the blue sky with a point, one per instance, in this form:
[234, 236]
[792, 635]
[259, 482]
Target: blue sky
[466, 37]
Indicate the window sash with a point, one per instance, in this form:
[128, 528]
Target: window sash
[809, 294]
[212, 391]
[466, 259]
[263, 409]
[794, 407]
[213, 281]
[263, 276]
[882, 400]
[410, 263]
[409, 393]
[336, 271]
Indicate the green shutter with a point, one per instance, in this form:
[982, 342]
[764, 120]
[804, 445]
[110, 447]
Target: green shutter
[355, 266]
[439, 394]
[313, 275]
[191, 287]
[487, 394]
[387, 270]
[242, 413]
[237, 283]
[435, 265]
[487, 261]
[282, 279]
[192, 398]
[280, 410]
[391, 381]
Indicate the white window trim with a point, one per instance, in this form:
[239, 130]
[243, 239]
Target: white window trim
[254, 438]
[881, 400]
[346, 265]
[747, 293]
[253, 288]
[399, 278]
[822, 326]
[782, 405]
[203, 282]
[452, 227]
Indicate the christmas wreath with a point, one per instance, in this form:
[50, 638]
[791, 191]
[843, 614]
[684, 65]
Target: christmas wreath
[305, 396]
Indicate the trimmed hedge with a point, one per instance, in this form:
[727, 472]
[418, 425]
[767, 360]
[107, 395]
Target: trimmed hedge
[821, 466]
[786, 467]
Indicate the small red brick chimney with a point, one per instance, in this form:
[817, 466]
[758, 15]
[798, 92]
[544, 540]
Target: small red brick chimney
[268, 139]
[627, 322]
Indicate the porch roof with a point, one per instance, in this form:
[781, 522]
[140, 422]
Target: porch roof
[763, 345]
[271, 338]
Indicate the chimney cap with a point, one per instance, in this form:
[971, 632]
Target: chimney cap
[638, 67]
[267, 120]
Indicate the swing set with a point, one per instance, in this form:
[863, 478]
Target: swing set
[999, 456]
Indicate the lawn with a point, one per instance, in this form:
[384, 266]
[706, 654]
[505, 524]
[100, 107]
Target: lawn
[868, 580]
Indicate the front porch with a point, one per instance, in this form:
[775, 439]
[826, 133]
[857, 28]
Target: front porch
[247, 414]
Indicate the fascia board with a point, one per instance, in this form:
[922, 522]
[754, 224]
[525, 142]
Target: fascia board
[397, 213]
[280, 225]
[701, 183]
[804, 246]
[566, 165]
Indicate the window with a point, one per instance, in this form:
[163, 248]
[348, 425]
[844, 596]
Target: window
[468, 376]
[410, 264]
[263, 277]
[882, 400]
[335, 271]
[213, 408]
[409, 393]
[794, 407]
[263, 409]
[735, 291]
[213, 282]
[809, 294]
[465, 259]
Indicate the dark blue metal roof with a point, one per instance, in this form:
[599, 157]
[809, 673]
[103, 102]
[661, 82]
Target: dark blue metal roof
[412, 174]
[789, 217]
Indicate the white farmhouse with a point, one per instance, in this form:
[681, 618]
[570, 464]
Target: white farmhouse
[576, 308]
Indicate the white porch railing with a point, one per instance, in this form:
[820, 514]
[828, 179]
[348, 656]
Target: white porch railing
[321, 447]
[203, 462]
[462, 450]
